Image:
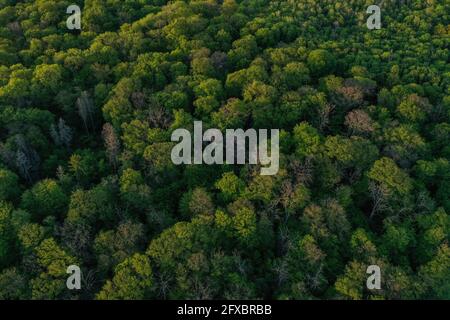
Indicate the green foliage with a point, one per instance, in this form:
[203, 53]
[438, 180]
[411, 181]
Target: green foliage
[230, 186]
[9, 185]
[321, 62]
[435, 276]
[86, 175]
[354, 152]
[6, 234]
[133, 188]
[92, 205]
[350, 284]
[113, 246]
[386, 172]
[13, 285]
[46, 198]
[306, 139]
[47, 77]
[51, 283]
[132, 279]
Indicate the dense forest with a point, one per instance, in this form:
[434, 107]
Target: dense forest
[86, 176]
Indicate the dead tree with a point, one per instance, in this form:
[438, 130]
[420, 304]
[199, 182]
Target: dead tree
[112, 144]
[27, 159]
[61, 134]
[85, 110]
[379, 195]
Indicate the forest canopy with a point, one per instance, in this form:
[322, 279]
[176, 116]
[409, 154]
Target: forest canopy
[86, 177]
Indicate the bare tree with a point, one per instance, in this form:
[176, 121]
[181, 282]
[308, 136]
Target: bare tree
[138, 99]
[282, 272]
[358, 121]
[76, 236]
[284, 239]
[15, 28]
[379, 195]
[85, 109]
[324, 116]
[24, 165]
[27, 159]
[201, 289]
[287, 190]
[112, 143]
[88, 280]
[301, 171]
[316, 280]
[61, 134]
[240, 263]
[424, 203]
[347, 97]
[158, 117]
[163, 281]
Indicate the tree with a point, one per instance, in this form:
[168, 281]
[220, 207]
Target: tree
[138, 134]
[51, 283]
[242, 52]
[133, 189]
[306, 139]
[46, 198]
[404, 144]
[96, 204]
[85, 109]
[197, 202]
[13, 285]
[230, 186]
[304, 268]
[434, 276]
[292, 76]
[432, 234]
[359, 122]
[27, 160]
[294, 197]
[113, 246]
[76, 236]
[9, 185]
[232, 114]
[61, 134]
[355, 152]
[30, 236]
[201, 64]
[414, 108]
[112, 143]
[397, 241]
[347, 97]
[364, 170]
[321, 62]
[386, 172]
[46, 79]
[6, 234]
[86, 165]
[132, 280]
